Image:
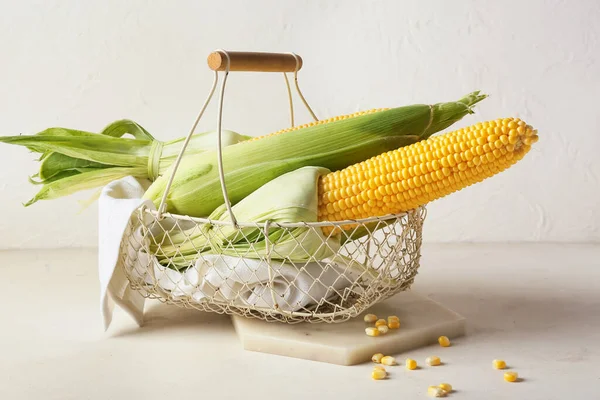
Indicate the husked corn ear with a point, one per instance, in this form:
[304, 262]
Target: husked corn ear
[411, 176]
[321, 122]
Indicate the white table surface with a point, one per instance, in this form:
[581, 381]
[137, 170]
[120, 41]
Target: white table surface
[536, 306]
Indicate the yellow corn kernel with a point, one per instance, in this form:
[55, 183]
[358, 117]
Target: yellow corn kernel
[411, 364]
[370, 318]
[383, 329]
[379, 367]
[380, 322]
[444, 341]
[446, 387]
[499, 364]
[434, 391]
[371, 331]
[393, 318]
[394, 324]
[410, 174]
[378, 374]
[388, 360]
[433, 361]
[511, 376]
[377, 358]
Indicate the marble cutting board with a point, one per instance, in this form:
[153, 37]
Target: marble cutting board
[422, 321]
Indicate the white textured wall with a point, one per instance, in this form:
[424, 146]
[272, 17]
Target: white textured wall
[83, 64]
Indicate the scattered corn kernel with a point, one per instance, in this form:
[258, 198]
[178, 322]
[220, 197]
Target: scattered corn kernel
[380, 322]
[383, 329]
[378, 374]
[394, 324]
[370, 318]
[377, 358]
[444, 341]
[380, 367]
[393, 318]
[434, 391]
[370, 331]
[433, 361]
[511, 376]
[388, 360]
[446, 387]
[411, 364]
[499, 364]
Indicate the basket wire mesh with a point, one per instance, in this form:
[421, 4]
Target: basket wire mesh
[357, 263]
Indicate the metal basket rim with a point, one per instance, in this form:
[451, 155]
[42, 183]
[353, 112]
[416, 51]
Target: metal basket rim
[303, 224]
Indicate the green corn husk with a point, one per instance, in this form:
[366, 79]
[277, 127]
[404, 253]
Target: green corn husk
[292, 197]
[73, 160]
[196, 189]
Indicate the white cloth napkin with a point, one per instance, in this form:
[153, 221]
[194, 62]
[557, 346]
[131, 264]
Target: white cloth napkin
[115, 205]
[239, 281]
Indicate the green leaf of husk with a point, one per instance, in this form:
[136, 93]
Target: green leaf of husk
[82, 181]
[127, 126]
[56, 163]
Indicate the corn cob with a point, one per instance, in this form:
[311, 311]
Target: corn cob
[414, 175]
[196, 188]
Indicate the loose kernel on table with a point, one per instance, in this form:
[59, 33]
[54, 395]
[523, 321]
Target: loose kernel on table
[411, 364]
[380, 367]
[445, 387]
[511, 376]
[380, 322]
[378, 374]
[433, 361]
[499, 364]
[393, 318]
[394, 324]
[383, 329]
[388, 360]
[370, 318]
[371, 331]
[444, 341]
[434, 391]
[377, 358]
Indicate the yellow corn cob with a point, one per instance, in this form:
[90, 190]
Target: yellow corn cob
[321, 122]
[414, 175]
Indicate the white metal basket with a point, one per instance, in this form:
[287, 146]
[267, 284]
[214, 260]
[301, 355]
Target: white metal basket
[346, 277]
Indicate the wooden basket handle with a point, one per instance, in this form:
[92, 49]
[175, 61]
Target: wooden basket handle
[255, 62]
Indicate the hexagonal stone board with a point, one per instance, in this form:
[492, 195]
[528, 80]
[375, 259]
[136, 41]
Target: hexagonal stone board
[422, 321]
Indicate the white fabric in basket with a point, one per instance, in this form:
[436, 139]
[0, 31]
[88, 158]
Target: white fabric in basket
[224, 278]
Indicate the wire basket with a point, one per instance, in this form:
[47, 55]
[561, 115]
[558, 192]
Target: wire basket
[366, 262]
